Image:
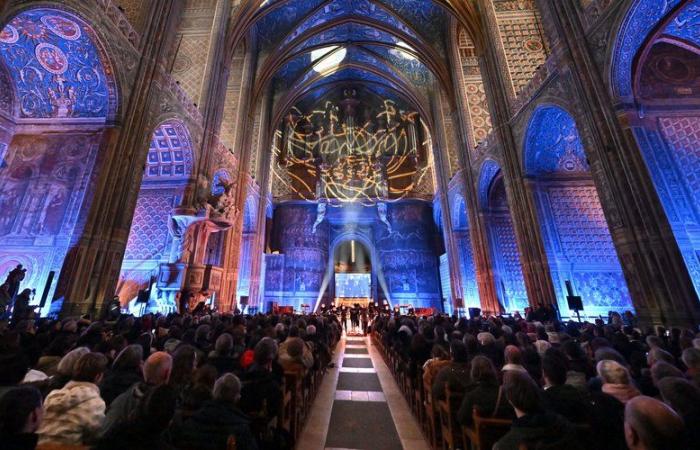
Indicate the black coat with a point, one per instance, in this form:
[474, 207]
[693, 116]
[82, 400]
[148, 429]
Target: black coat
[568, 402]
[261, 395]
[210, 427]
[541, 428]
[116, 382]
[484, 397]
[608, 420]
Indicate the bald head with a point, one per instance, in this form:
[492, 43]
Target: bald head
[157, 368]
[651, 425]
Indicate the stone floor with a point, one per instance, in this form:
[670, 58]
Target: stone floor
[359, 406]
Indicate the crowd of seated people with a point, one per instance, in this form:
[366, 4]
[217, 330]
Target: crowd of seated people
[213, 381]
[555, 385]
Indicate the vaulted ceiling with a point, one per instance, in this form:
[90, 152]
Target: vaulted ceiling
[392, 48]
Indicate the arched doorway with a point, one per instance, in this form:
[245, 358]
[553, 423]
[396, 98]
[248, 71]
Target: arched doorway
[573, 226]
[56, 93]
[656, 80]
[168, 168]
[352, 274]
[505, 256]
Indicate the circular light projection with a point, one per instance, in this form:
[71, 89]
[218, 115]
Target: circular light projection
[330, 57]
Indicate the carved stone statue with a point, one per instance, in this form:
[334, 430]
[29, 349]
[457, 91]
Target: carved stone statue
[320, 215]
[382, 211]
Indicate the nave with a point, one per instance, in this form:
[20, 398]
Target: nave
[359, 405]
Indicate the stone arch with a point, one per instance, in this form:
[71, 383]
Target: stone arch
[503, 246]
[572, 223]
[168, 168]
[654, 73]
[57, 77]
[60, 67]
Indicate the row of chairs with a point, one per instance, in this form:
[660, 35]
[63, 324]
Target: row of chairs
[438, 418]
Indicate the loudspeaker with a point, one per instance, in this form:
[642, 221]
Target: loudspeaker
[244, 300]
[143, 296]
[575, 302]
[474, 313]
[45, 294]
[459, 303]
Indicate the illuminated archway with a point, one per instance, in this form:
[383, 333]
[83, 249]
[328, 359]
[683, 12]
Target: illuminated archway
[574, 230]
[168, 168]
[655, 75]
[505, 256]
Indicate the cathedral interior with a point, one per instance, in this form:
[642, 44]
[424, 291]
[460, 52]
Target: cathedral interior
[422, 154]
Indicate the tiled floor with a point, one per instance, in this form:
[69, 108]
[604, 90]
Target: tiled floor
[359, 406]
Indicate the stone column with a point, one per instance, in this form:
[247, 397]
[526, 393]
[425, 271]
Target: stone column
[232, 244]
[477, 229]
[257, 247]
[91, 268]
[656, 274]
[538, 280]
[442, 167]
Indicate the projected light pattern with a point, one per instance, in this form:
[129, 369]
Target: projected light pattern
[324, 157]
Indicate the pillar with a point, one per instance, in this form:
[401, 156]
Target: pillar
[657, 277]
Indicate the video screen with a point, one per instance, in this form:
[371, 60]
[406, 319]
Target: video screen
[353, 285]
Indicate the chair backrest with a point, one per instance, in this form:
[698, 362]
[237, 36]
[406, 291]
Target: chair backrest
[61, 447]
[489, 430]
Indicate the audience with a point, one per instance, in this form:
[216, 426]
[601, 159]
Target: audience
[219, 418]
[652, 425]
[533, 426]
[196, 381]
[75, 413]
[21, 414]
[484, 394]
[566, 384]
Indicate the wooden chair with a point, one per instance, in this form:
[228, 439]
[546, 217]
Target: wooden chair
[432, 417]
[61, 447]
[451, 434]
[485, 431]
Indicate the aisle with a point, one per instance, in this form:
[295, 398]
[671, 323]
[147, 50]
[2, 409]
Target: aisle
[359, 405]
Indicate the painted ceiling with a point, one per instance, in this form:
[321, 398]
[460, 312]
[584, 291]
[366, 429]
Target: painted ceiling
[384, 44]
[55, 66]
[553, 144]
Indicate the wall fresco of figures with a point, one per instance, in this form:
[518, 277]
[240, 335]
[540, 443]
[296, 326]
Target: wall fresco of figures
[43, 185]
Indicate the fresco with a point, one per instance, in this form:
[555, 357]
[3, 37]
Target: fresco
[56, 66]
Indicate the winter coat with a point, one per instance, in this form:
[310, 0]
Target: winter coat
[72, 415]
[124, 405]
[567, 401]
[210, 427]
[456, 376]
